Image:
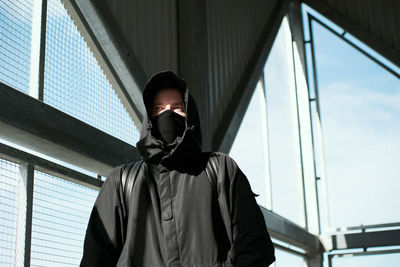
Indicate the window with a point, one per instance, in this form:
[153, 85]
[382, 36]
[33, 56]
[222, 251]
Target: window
[359, 114]
[249, 149]
[74, 82]
[12, 214]
[15, 43]
[61, 211]
[283, 129]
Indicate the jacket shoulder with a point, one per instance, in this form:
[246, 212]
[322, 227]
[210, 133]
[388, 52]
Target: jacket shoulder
[116, 171]
[226, 160]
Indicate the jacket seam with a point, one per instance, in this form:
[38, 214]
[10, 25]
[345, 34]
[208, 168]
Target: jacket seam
[174, 218]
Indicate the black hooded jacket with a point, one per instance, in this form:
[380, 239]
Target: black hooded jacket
[174, 218]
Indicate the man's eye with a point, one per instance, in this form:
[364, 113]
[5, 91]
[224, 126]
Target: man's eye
[179, 107]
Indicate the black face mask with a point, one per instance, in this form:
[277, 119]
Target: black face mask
[167, 126]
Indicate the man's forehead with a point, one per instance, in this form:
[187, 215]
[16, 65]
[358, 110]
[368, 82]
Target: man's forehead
[168, 94]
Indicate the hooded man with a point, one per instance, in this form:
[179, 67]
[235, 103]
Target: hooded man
[173, 217]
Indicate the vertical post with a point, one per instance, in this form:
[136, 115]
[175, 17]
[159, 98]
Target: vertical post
[315, 260]
[193, 59]
[264, 118]
[305, 128]
[38, 41]
[24, 215]
[319, 148]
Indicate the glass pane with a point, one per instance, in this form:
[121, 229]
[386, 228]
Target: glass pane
[249, 147]
[15, 43]
[283, 129]
[286, 259]
[74, 81]
[360, 117]
[303, 103]
[9, 214]
[381, 260]
[61, 211]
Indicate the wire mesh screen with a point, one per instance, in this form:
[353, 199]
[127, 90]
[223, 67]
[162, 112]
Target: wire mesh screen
[61, 211]
[9, 185]
[15, 42]
[74, 81]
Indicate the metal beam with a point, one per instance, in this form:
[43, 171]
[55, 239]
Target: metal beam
[193, 59]
[355, 29]
[315, 260]
[366, 239]
[15, 155]
[38, 44]
[286, 231]
[304, 118]
[26, 175]
[226, 132]
[296, 28]
[112, 51]
[40, 127]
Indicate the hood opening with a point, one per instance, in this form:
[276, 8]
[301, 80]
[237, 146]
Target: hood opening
[162, 80]
[186, 145]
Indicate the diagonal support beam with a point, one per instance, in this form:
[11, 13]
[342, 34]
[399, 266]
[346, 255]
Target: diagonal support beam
[35, 125]
[286, 231]
[117, 60]
[226, 132]
[366, 239]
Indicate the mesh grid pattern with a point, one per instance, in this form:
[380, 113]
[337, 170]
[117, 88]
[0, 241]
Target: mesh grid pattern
[61, 211]
[74, 82]
[15, 42]
[8, 211]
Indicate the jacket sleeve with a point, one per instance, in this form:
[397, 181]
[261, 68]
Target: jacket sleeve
[105, 232]
[252, 245]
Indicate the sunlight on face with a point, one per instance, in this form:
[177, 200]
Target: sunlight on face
[168, 99]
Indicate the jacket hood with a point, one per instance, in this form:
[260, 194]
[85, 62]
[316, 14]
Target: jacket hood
[184, 147]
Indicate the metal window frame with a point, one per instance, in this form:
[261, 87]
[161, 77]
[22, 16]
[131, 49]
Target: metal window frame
[342, 36]
[382, 235]
[21, 157]
[387, 51]
[119, 72]
[265, 92]
[357, 254]
[116, 59]
[31, 123]
[311, 18]
[36, 79]
[28, 164]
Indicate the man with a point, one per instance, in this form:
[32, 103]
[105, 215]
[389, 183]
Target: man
[173, 217]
